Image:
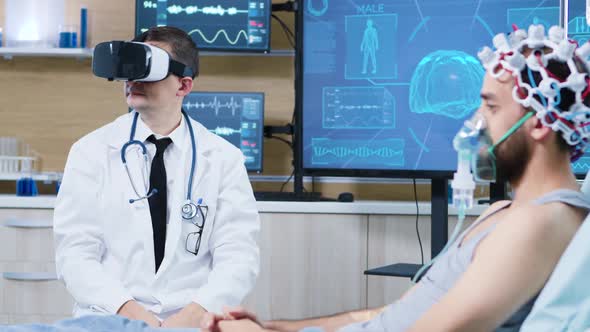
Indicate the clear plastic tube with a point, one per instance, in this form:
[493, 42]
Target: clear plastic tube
[463, 189]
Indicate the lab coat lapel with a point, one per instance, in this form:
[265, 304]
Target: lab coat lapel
[135, 162]
[203, 165]
[139, 211]
[174, 228]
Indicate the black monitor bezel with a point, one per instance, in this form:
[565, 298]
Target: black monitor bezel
[254, 93]
[223, 50]
[566, 14]
[351, 172]
[391, 173]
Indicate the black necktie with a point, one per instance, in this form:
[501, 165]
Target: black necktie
[158, 202]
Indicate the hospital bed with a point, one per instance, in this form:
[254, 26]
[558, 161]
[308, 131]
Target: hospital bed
[564, 303]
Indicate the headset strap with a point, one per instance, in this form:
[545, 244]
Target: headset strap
[180, 69]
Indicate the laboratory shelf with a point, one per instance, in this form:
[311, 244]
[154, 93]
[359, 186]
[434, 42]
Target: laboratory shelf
[11, 52]
[45, 176]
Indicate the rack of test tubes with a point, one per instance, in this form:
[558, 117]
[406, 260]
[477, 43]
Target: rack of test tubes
[16, 158]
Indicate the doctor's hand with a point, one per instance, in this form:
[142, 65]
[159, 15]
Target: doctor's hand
[213, 322]
[242, 325]
[189, 316]
[135, 311]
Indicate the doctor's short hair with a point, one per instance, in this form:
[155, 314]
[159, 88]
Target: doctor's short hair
[183, 47]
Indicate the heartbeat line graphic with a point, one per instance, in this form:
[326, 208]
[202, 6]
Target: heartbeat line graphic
[209, 10]
[220, 32]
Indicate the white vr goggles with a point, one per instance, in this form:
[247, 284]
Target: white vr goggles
[135, 61]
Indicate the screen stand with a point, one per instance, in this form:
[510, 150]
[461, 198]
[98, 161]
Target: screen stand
[298, 194]
[298, 127]
[439, 227]
[293, 129]
[497, 193]
[439, 222]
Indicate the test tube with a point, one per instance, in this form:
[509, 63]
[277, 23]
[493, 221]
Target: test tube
[83, 26]
[13, 152]
[2, 155]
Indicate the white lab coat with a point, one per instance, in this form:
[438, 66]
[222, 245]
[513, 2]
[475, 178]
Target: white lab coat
[104, 245]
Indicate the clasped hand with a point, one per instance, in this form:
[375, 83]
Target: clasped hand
[189, 316]
[232, 319]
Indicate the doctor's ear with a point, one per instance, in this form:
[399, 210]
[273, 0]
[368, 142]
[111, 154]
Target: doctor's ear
[186, 86]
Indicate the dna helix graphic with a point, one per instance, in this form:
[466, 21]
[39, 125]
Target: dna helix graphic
[336, 151]
[363, 151]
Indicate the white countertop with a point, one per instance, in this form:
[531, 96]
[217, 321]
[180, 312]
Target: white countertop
[358, 207]
[37, 202]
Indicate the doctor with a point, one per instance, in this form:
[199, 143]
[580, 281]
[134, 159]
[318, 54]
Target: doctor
[155, 219]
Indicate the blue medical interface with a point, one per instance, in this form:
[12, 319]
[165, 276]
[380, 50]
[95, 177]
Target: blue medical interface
[237, 117]
[579, 30]
[387, 84]
[213, 25]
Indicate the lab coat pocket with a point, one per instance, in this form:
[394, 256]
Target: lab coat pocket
[192, 239]
[195, 233]
[209, 227]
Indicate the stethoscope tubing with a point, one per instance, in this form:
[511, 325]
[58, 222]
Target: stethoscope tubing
[132, 141]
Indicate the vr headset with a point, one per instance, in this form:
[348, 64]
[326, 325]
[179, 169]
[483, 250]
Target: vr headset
[134, 61]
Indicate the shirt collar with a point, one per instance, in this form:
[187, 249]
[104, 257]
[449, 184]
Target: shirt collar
[178, 135]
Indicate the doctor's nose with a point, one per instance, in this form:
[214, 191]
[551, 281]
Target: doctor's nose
[131, 84]
[137, 87]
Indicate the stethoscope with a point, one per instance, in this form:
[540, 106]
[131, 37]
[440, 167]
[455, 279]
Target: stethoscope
[189, 209]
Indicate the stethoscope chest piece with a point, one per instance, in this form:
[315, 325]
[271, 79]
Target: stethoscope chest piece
[189, 210]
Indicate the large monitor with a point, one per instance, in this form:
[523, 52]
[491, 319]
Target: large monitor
[579, 30]
[387, 84]
[236, 25]
[236, 116]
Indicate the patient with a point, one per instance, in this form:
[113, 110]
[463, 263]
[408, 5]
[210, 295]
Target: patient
[490, 277]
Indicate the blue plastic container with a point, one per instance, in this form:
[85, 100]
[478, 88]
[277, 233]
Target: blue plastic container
[26, 186]
[68, 39]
